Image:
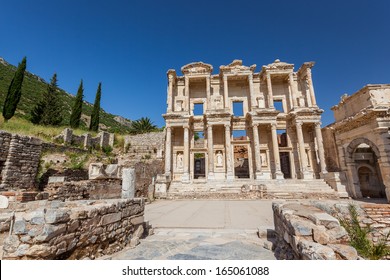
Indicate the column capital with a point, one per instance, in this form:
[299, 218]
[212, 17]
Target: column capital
[250, 77]
[255, 125]
[186, 126]
[225, 78]
[317, 124]
[227, 126]
[268, 75]
[170, 78]
[168, 128]
[299, 124]
[273, 125]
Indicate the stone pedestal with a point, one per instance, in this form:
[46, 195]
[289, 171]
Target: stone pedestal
[128, 183]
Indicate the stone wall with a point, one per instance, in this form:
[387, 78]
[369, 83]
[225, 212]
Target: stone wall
[82, 230]
[88, 189]
[22, 160]
[311, 231]
[305, 232]
[103, 139]
[145, 146]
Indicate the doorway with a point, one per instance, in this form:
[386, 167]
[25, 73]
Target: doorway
[199, 166]
[285, 164]
[241, 162]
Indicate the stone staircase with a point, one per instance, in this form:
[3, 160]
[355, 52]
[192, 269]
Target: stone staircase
[246, 188]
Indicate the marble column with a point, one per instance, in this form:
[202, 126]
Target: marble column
[186, 157]
[168, 153]
[187, 92]
[320, 146]
[275, 146]
[210, 151]
[353, 180]
[293, 94]
[208, 93]
[256, 144]
[302, 151]
[228, 154]
[225, 92]
[170, 93]
[311, 88]
[251, 93]
[270, 94]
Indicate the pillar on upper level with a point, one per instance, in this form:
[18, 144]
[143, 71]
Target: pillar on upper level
[305, 174]
[311, 88]
[270, 93]
[225, 92]
[251, 93]
[293, 94]
[208, 87]
[187, 92]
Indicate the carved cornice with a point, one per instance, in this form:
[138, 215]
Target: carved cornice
[197, 68]
[303, 70]
[236, 68]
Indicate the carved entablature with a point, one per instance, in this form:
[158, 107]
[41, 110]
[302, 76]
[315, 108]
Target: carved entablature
[278, 65]
[236, 68]
[303, 70]
[196, 68]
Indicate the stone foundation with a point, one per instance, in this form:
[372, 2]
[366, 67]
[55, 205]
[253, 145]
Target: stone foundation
[74, 230]
[305, 232]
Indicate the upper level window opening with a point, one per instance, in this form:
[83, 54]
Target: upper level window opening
[198, 109]
[278, 104]
[238, 108]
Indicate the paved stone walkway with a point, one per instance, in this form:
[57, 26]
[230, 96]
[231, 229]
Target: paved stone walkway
[204, 229]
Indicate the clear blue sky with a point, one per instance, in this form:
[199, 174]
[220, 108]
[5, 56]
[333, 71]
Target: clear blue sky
[129, 45]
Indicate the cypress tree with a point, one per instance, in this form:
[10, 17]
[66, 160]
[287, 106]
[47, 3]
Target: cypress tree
[37, 112]
[52, 111]
[94, 125]
[14, 91]
[77, 107]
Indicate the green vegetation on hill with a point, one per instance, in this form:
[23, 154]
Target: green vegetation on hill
[32, 91]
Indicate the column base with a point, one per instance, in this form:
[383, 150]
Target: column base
[306, 175]
[185, 178]
[278, 175]
[229, 177]
[265, 175]
[323, 174]
[211, 176]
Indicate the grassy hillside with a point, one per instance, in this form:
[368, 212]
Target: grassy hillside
[32, 90]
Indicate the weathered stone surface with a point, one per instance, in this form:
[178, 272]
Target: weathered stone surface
[320, 236]
[137, 220]
[55, 216]
[20, 227]
[51, 231]
[344, 251]
[314, 251]
[36, 217]
[11, 244]
[110, 218]
[324, 219]
[128, 183]
[56, 179]
[300, 227]
[3, 202]
[40, 251]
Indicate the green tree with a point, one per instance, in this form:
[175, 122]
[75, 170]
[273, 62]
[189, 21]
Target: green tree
[94, 125]
[14, 91]
[37, 112]
[143, 125]
[77, 107]
[51, 104]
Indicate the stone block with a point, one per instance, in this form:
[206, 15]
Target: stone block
[50, 231]
[41, 251]
[56, 179]
[20, 227]
[11, 244]
[110, 218]
[346, 252]
[137, 220]
[320, 235]
[300, 227]
[36, 217]
[3, 202]
[314, 251]
[324, 219]
[55, 216]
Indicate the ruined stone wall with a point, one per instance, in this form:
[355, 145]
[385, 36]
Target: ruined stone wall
[5, 139]
[145, 146]
[103, 139]
[310, 230]
[144, 174]
[306, 232]
[86, 229]
[21, 165]
[88, 189]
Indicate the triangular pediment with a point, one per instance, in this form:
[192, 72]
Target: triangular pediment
[197, 68]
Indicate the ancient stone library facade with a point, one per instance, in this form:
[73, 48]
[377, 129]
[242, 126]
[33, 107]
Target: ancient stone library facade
[242, 124]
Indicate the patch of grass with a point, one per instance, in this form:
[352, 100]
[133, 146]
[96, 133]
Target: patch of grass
[360, 237]
[77, 161]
